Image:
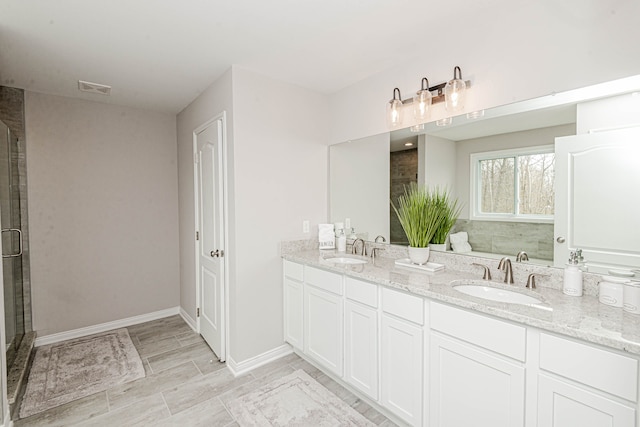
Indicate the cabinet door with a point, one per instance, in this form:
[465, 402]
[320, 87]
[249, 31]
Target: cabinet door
[565, 405]
[401, 369]
[293, 318]
[472, 387]
[323, 327]
[361, 347]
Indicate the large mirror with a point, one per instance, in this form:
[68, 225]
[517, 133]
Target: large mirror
[545, 176]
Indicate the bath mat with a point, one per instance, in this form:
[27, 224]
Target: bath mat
[69, 370]
[294, 400]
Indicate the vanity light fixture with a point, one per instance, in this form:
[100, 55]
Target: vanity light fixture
[455, 91]
[452, 93]
[444, 122]
[475, 114]
[408, 144]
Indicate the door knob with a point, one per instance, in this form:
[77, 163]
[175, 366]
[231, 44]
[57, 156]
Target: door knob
[217, 253]
[560, 239]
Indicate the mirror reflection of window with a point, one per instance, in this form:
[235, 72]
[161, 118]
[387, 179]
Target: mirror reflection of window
[515, 184]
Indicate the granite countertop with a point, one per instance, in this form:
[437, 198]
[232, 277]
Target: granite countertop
[580, 317]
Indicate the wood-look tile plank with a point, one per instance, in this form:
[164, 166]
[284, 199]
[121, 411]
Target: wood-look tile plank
[177, 356]
[189, 338]
[204, 414]
[125, 394]
[208, 364]
[239, 391]
[152, 347]
[145, 412]
[69, 413]
[204, 388]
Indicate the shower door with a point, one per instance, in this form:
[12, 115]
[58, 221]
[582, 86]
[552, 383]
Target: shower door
[11, 242]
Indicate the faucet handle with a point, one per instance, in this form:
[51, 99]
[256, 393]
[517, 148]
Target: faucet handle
[373, 251]
[487, 273]
[531, 280]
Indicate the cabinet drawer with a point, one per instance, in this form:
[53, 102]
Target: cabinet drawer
[331, 282]
[492, 334]
[403, 305]
[362, 292]
[293, 270]
[607, 371]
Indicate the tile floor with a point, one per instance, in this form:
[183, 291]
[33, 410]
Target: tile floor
[185, 386]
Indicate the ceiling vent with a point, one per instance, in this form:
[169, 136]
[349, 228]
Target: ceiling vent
[94, 88]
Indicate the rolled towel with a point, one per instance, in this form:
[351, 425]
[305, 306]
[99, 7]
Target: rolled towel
[460, 242]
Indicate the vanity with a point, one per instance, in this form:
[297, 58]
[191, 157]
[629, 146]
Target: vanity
[427, 354]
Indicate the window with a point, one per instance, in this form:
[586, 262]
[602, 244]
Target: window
[515, 185]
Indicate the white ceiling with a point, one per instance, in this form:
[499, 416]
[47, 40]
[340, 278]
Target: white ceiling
[161, 54]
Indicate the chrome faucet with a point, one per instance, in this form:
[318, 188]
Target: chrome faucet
[505, 265]
[354, 251]
[487, 273]
[380, 237]
[522, 256]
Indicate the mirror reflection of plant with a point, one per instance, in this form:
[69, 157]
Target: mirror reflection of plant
[451, 209]
[419, 213]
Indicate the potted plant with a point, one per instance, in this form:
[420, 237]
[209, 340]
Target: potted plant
[450, 211]
[420, 217]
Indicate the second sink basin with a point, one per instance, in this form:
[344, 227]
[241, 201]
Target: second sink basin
[346, 260]
[483, 289]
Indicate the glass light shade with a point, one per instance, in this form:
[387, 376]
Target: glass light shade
[394, 113]
[454, 95]
[421, 105]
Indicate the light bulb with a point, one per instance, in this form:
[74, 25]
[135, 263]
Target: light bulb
[454, 92]
[422, 102]
[394, 111]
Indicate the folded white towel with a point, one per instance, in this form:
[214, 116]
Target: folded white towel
[460, 242]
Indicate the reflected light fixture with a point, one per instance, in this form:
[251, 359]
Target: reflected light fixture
[452, 93]
[444, 122]
[455, 91]
[394, 110]
[422, 101]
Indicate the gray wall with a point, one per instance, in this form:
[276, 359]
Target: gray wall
[103, 201]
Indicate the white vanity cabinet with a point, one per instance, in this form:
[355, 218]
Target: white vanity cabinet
[361, 336]
[476, 370]
[581, 385]
[323, 318]
[293, 303]
[402, 355]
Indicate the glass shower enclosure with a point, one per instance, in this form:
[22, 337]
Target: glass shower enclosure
[10, 221]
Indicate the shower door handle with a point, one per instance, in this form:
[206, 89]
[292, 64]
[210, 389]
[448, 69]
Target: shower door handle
[19, 242]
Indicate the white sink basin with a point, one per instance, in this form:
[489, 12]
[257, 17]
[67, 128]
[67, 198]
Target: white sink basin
[484, 290]
[346, 260]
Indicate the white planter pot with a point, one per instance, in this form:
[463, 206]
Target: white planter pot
[418, 255]
[438, 247]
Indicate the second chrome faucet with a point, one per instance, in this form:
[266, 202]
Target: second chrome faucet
[505, 266]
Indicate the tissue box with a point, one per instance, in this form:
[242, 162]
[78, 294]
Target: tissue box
[326, 236]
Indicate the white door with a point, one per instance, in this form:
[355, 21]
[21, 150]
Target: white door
[594, 173]
[564, 405]
[401, 369]
[361, 347]
[210, 235]
[323, 317]
[471, 387]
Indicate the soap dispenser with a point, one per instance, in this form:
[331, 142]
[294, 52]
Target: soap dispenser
[342, 241]
[573, 276]
[353, 235]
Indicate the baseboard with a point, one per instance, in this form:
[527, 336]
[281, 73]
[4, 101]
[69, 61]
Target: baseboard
[103, 327]
[189, 320]
[239, 368]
